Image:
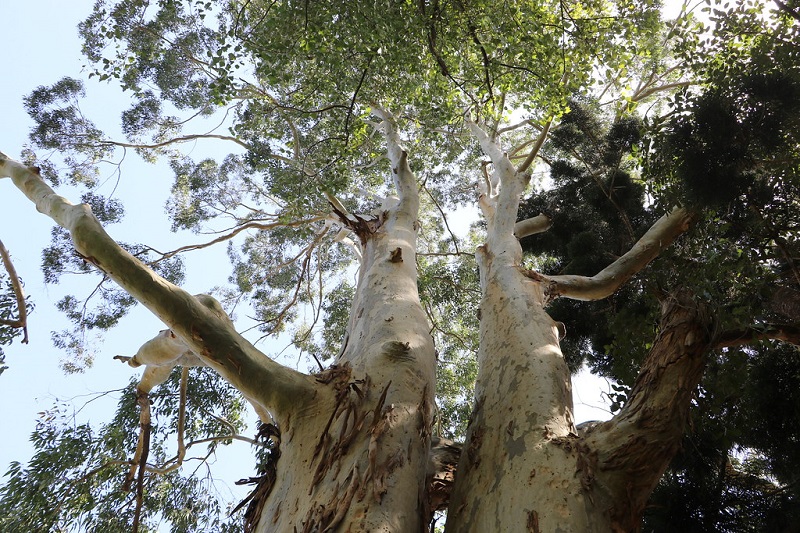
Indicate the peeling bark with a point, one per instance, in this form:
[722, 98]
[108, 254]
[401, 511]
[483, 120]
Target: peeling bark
[355, 439]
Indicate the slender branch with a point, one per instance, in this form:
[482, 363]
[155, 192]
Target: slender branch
[536, 147]
[182, 414]
[777, 332]
[607, 281]
[444, 219]
[788, 10]
[645, 92]
[142, 450]
[22, 311]
[236, 231]
[177, 140]
[207, 330]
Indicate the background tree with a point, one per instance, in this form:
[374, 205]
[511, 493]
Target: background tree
[312, 96]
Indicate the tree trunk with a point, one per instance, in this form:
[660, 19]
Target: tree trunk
[523, 466]
[625, 457]
[357, 461]
[517, 471]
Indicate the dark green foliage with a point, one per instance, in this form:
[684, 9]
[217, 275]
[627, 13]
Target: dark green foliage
[738, 469]
[450, 297]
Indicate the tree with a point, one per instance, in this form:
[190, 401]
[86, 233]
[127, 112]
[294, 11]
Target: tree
[480, 93]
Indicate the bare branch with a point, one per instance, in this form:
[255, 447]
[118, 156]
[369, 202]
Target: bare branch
[607, 281]
[777, 332]
[649, 91]
[177, 140]
[531, 226]
[404, 180]
[236, 231]
[22, 311]
[536, 147]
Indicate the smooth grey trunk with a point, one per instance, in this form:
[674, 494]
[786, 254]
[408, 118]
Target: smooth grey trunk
[517, 471]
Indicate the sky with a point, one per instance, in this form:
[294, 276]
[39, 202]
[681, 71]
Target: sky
[39, 46]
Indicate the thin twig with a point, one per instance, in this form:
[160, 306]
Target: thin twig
[22, 321]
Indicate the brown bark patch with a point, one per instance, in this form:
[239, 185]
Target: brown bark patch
[629, 454]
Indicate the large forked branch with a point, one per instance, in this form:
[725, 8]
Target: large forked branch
[625, 457]
[22, 311]
[607, 281]
[208, 334]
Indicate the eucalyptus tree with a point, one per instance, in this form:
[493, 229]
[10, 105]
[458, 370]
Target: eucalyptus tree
[355, 127]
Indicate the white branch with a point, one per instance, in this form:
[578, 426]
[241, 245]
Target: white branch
[209, 335]
[404, 180]
[531, 226]
[606, 282]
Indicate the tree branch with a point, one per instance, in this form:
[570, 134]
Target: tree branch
[404, 180]
[531, 226]
[209, 334]
[523, 167]
[177, 140]
[777, 332]
[249, 225]
[507, 184]
[607, 281]
[788, 10]
[623, 459]
[22, 311]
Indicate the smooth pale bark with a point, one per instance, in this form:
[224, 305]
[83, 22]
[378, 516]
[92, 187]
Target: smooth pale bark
[513, 474]
[354, 439]
[210, 335]
[360, 462]
[523, 466]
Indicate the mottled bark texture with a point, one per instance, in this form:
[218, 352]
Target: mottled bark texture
[623, 459]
